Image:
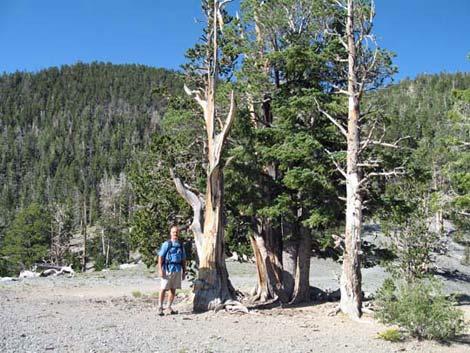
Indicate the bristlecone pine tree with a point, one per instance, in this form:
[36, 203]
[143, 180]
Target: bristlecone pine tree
[212, 288]
[364, 66]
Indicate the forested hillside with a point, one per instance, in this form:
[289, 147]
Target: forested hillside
[70, 133]
[430, 114]
[417, 107]
[64, 128]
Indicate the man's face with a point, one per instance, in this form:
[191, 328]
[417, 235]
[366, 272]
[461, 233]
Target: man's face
[174, 233]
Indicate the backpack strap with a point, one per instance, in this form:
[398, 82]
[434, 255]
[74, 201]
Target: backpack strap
[165, 262]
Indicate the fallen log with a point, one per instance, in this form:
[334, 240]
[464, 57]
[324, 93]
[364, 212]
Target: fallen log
[52, 270]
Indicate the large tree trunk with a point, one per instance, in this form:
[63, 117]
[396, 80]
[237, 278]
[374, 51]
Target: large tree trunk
[351, 278]
[351, 293]
[267, 245]
[213, 287]
[289, 263]
[302, 275]
[267, 240]
[296, 263]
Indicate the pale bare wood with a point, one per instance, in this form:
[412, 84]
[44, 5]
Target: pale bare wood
[338, 167]
[350, 282]
[333, 120]
[212, 288]
[397, 171]
[197, 204]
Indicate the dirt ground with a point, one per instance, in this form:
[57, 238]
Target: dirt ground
[115, 311]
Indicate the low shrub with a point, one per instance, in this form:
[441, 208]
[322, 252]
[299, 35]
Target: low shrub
[137, 294]
[391, 335]
[420, 308]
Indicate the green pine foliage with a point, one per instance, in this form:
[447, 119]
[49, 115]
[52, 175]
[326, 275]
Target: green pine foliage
[281, 173]
[27, 241]
[159, 205]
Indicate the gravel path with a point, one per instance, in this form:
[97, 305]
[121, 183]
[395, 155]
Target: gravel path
[98, 312]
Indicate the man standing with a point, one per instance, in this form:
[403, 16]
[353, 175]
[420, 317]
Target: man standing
[172, 267]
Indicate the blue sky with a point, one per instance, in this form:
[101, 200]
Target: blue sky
[427, 35]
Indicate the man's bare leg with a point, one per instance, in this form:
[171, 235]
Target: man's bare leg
[171, 298]
[161, 299]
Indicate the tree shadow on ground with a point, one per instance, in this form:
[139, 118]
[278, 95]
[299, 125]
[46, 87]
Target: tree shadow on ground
[317, 296]
[374, 255]
[462, 299]
[453, 275]
[462, 339]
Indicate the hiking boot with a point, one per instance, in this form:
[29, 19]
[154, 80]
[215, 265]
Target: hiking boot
[173, 311]
[160, 311]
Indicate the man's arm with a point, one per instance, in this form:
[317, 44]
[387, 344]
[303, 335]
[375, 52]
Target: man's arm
[161, 270]
[183, 264]
[161, 259]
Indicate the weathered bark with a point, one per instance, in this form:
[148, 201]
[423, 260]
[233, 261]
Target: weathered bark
[296, 264]
[212, 287]
[267, 245]
[197, 203]
[351, 278]
[263, 291]
[289, 263]
[302, 283]
[351, 294]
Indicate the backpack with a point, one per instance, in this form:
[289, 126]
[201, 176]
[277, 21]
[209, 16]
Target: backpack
[174, 254]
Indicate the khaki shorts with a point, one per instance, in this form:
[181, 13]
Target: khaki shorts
[171, 280]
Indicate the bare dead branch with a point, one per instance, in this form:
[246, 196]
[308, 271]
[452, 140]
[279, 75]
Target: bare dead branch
[230, 116]
[229, 161]
[197, 95]
[333, 120]
[397, 171]
[386, 144]
[338, 241]
[196, 202]
[367, 142]
[223, 3]
[341, 4]
[338, 167]
[370, 164]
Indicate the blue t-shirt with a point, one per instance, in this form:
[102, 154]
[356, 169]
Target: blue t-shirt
[175, 253]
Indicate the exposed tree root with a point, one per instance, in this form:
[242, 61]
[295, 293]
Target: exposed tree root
[360, 320]
[269, 304]
[335, 311]
[232, 306]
